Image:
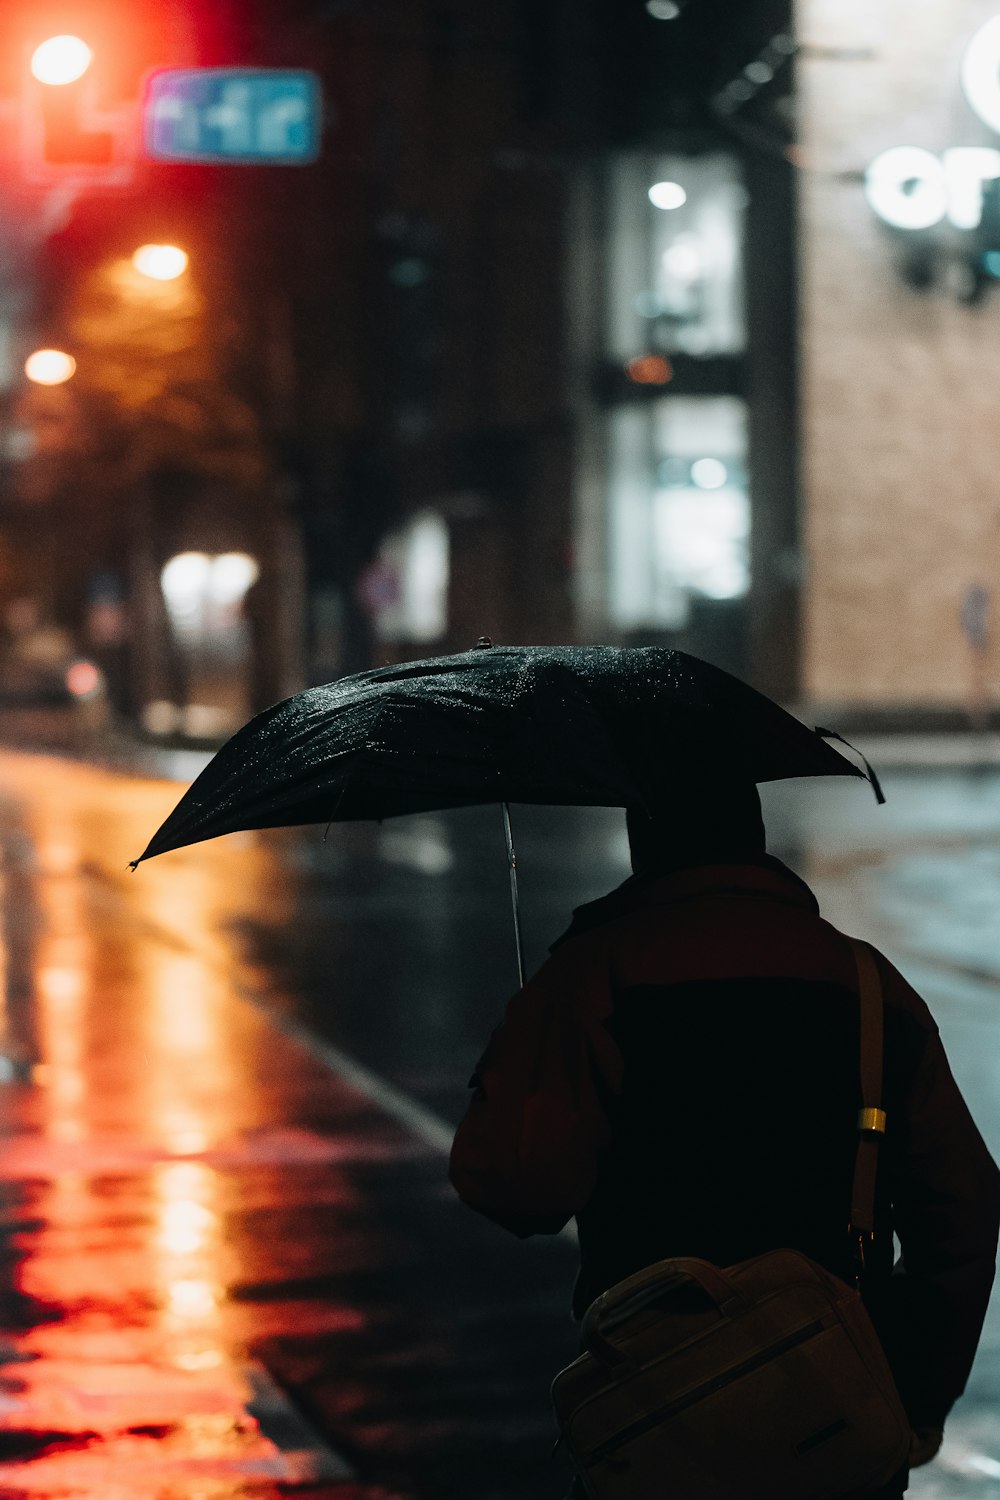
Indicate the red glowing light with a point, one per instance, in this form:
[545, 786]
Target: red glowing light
[649, 369]
[49, 367]
[83, 679]
[160, 262]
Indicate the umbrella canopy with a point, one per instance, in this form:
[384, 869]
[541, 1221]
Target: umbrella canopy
[600, 726]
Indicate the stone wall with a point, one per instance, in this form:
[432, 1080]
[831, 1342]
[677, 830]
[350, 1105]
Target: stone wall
[900, 387]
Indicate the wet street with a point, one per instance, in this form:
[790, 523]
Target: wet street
[232, 1264]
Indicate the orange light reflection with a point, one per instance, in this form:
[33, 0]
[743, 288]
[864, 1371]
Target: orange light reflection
[142, 1056]
[62, 962]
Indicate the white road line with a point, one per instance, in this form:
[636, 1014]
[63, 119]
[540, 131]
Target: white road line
[286, 1427]
[423, 1123]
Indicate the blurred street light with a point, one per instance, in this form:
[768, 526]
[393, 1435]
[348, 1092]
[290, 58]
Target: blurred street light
[667, 195]
[84, 679]
[709, 473]
[49, 366]
[649, 369]
[60, 60]
[160, 262]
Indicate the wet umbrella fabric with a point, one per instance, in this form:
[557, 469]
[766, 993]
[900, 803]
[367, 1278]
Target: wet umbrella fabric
[599, 726]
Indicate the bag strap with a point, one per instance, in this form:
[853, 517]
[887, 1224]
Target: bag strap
[871, 1117]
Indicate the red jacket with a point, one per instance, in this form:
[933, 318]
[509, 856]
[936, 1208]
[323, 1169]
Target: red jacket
[682, 1076]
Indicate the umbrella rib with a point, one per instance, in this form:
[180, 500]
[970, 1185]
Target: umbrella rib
[512, 865]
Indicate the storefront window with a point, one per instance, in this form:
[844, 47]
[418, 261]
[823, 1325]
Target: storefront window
[406, 588]
[679, 508]
[675, 273]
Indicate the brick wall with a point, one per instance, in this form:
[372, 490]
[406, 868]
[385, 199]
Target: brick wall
[900, 387]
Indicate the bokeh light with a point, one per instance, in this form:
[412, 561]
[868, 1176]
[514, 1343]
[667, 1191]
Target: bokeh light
[62, 59]
[49, 366]
[83, 679]
[684, 259]
[667, 195]
[160, 262]
[709, 473]
[231, 575]
[649, 369]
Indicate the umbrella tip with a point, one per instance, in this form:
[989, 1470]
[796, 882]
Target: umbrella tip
[869, 771]
[133, 864]
[483, 643]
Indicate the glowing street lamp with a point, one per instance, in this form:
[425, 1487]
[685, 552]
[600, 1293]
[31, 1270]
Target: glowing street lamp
[62, 59]
[49, 367]
[667, 195]
[160, 262]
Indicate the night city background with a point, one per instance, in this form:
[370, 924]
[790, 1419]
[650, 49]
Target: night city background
[341, 334]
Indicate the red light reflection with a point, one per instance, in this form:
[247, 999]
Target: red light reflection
[162, 1109]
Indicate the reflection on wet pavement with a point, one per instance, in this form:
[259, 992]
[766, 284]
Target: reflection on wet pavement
[148, 1121]
[921, 878]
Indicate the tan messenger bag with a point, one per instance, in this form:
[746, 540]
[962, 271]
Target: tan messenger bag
[763, 1381]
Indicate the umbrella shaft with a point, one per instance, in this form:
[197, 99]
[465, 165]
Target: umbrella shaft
[512, 864]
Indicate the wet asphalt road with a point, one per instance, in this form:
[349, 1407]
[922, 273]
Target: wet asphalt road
[230, 1084]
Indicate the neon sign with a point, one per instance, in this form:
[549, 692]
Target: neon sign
[911, 188]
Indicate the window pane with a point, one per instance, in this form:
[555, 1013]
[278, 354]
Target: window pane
[675, 274]
[679, 508]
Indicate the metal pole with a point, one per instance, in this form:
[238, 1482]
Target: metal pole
[512, 862]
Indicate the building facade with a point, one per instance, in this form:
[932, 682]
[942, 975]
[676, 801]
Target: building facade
[899, 109]
[610, 321]
[683, 339]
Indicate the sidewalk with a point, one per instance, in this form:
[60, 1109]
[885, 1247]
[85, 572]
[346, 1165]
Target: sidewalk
[163, 1147]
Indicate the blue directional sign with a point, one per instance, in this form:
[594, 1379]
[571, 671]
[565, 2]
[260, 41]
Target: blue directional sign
[248, 116]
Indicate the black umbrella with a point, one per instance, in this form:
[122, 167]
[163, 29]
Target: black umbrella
[597, 726]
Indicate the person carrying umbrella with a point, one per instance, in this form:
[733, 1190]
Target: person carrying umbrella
[681, 1075]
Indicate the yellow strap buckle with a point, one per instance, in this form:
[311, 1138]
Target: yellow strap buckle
[871, 1121]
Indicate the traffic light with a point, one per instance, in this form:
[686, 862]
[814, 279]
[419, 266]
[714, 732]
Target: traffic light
[61, 60]
[63, 130]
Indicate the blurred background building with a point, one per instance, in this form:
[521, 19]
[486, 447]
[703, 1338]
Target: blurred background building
[899, 187]
[520, 350]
